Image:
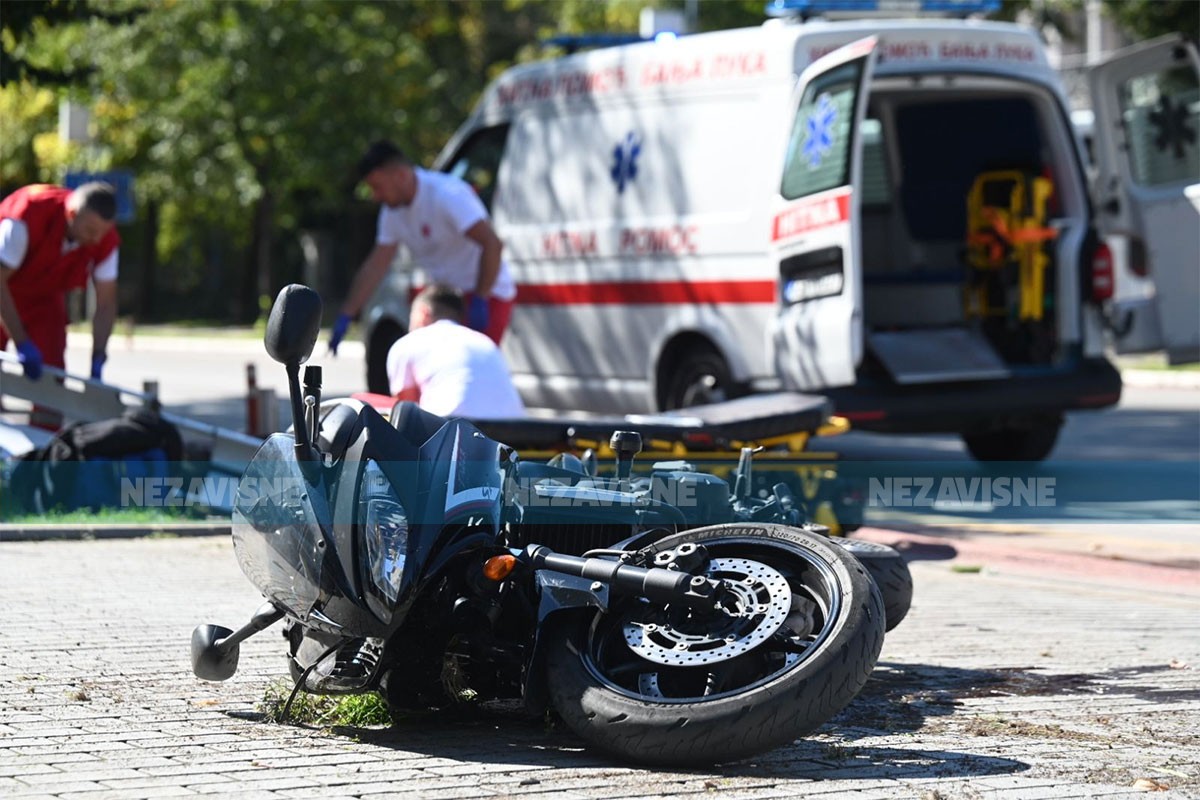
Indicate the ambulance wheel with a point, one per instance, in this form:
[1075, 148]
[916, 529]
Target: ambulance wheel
[382, 338]
[1031, 442]
[700, 377]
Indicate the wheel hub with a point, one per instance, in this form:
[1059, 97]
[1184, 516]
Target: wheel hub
[757, 602]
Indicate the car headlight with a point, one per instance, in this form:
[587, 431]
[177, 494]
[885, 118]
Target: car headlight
[385, 531]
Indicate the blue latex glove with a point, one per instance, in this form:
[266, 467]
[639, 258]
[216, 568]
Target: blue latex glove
[477, 313]
[98, 365]
[30, 358]
[339, 332]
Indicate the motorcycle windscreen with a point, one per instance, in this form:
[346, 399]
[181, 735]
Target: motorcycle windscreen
[276, 528]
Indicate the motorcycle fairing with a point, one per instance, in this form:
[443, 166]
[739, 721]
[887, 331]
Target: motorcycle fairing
[277, 527]
[420, 474]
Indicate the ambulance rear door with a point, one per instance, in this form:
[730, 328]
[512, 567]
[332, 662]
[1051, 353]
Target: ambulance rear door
[1146, 101]
[816, 337]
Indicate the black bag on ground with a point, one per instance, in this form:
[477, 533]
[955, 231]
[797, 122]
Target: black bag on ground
[84, 464]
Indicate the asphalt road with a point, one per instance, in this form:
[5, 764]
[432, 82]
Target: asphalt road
[1135, 463]
[1149, 424]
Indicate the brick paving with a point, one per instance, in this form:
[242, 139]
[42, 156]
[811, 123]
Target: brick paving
[998, 685]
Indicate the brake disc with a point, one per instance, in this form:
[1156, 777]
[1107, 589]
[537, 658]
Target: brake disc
[758, 602]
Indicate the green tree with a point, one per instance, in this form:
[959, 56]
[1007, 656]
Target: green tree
[1148, 19]
[20, 24]
[247, 116]
[242, 119]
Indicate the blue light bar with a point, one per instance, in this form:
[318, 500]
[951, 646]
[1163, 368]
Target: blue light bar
[816, 8]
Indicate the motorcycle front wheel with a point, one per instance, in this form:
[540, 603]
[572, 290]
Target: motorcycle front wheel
[797, 637]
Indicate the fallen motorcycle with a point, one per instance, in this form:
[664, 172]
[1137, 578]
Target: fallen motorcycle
[417, 557]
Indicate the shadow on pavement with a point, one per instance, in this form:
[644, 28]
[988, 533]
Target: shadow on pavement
[508, 737]
[520, 741]
[903, 697]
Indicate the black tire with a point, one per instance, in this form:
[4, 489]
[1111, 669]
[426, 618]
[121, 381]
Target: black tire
[772, 691]
[700, 377]
[1030, 442]
[382, 338]
[890, 572]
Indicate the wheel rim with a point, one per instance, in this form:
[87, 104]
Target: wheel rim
[784, 604]
[702, 389]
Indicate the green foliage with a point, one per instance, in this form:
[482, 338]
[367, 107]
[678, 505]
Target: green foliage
[19, 24]
[28, 114]
[10, 514]
[1148, 19]
[324, 711]
[242, 120]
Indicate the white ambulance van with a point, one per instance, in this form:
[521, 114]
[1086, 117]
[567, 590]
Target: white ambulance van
[893, 212]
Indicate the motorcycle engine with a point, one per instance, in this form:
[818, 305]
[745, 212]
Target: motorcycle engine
[574, 524]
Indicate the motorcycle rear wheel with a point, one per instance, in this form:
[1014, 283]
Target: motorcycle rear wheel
[696, 697]
[890, 573]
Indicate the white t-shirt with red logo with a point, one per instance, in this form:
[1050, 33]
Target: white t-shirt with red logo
[460, 372]
[432, 229]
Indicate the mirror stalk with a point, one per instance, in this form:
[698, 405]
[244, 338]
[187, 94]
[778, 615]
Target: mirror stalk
[304, 448]
[312, 401]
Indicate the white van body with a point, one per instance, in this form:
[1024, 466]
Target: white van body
[784, 206]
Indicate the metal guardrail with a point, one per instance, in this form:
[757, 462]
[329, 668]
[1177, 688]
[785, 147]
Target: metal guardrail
[86, 400]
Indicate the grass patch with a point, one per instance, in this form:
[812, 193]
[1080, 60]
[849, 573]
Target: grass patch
[105, 516]
[324, 711]
[968, 569]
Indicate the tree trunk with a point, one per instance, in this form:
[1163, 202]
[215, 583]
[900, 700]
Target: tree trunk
[256, 278]
[147, 293]
[264, 222]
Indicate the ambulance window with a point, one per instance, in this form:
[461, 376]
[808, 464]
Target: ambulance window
[1161, 115]
[478, 161]
[818, 154]
[875, 188]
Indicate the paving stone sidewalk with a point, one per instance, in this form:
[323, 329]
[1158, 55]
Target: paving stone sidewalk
[997, 686]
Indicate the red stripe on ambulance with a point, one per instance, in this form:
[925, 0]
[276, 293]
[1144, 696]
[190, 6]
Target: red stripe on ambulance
[646, 293]
[811, 214]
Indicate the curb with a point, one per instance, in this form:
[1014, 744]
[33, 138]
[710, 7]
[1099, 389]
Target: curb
[45, 533]
[970, 551]
[1161, 379]
[355, 348]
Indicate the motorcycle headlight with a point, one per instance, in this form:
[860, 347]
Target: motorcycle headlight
[385, 532]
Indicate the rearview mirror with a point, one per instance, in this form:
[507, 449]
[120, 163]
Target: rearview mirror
[294, 325]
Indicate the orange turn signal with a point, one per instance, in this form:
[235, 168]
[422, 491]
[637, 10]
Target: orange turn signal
[497, 568]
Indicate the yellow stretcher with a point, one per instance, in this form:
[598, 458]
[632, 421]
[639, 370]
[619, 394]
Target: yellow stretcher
[811, 474]
[1006, 228]
[777, 426]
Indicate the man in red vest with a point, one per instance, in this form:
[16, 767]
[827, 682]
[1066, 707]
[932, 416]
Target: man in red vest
[51, 240]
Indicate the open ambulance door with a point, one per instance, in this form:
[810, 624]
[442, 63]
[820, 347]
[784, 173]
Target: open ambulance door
[1146, 101]
[816, 337]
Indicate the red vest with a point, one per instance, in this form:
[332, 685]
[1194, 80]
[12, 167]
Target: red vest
[47, 272]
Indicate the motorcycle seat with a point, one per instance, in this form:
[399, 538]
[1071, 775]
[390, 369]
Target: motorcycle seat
[414, 423]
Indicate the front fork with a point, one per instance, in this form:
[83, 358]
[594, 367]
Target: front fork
[670, 581]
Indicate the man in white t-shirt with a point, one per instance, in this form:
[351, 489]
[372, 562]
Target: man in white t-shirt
[448, 368]
[445, 226]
